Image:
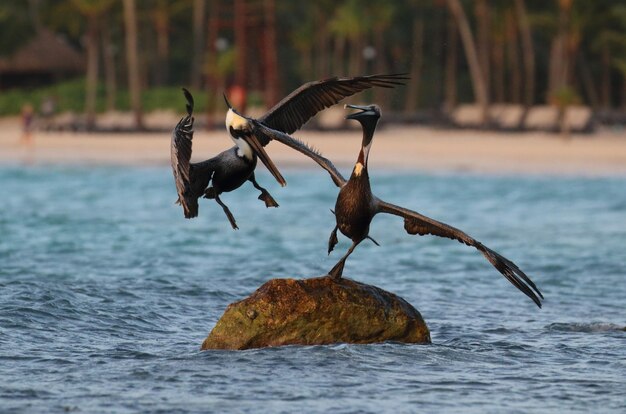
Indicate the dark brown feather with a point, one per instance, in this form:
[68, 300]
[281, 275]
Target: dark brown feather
[291, 113]
[415, 223]
[263, 133]
[180, 153]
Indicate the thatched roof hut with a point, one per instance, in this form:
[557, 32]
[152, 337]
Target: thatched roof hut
[46, 58]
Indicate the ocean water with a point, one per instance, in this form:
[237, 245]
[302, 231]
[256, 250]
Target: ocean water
[107, 292]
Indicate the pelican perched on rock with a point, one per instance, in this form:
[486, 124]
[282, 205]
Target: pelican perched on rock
[356, 206]
[228, 170]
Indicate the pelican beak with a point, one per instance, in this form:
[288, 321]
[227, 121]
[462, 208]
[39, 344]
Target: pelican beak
[356, 115]
[265, 159]
[226, 100]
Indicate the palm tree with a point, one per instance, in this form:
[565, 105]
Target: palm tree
[379, 16]
[161, 13]
[529, 59]
[450, 82]
[269, 53]
[483, 18]
[348, 25]
[92, 10]
[515, 69]
[417, 53]
[130, 24]
[198, 15]
[108, 55]
[469, 45]
[240, 22]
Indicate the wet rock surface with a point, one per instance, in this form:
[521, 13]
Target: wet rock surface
[316, 311]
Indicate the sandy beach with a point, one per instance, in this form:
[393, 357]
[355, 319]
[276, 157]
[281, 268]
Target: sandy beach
[396, 147]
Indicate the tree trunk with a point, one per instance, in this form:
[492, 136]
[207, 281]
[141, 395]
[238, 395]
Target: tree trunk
[451, 66]
[199, 7]
[588, 83]
[162, 26]
[321, 57]
[554, 66]
[478, 80]
[481, 9]
[559, 56]
[606, 77]
[417, 55]
[338, 59]
[529, 58]
[213, 84]
[270, 52]
[92, 71]
[513, 58]
[356, 60]
[381, 95]
[241, 45]
[130, 23]
[110, 80]
[499, 69]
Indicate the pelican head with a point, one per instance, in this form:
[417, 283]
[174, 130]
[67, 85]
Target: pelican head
[368, 112]
[368, 117]
[241, 132]
[236, 124]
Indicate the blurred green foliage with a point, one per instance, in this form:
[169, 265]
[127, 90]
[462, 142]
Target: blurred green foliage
[327, 37]
[70, 97]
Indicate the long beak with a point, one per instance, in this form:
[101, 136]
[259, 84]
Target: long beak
[265, 159]
[355, 115]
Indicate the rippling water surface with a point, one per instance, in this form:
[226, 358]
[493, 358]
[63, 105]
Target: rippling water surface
[106, 294]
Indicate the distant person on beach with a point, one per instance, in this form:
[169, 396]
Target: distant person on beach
[28, 115]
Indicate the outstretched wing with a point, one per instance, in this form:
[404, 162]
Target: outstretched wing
[264, 133]
[415, 223]
[302, 104]
[180, 153]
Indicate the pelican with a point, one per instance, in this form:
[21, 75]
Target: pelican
[356, 206]
[228, 170]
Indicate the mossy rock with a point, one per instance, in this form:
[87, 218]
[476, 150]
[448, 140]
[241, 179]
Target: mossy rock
[317, 311]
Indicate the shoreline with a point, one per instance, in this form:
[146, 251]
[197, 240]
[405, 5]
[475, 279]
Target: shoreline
[411, 148]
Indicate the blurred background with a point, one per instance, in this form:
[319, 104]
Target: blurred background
[556, 65]
[511, 128]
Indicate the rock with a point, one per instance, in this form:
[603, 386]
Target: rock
[314, 312]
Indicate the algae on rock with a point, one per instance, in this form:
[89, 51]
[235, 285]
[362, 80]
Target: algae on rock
[316, 311]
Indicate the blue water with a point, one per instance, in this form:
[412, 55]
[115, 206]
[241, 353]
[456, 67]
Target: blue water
[106, 294]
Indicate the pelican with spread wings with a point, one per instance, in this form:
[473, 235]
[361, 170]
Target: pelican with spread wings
[230, 169]
[356, 207]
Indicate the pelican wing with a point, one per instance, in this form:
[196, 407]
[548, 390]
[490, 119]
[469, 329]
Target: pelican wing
[180, 152]
[264, 133]
[302, 104]
[186, 175]
[415, 223]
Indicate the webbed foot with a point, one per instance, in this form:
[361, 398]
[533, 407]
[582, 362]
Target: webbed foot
[268, 199]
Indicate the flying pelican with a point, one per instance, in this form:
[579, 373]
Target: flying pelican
[228, 170]
[356, 206]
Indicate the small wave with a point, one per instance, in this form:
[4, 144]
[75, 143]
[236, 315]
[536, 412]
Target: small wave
[585, 327]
